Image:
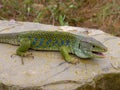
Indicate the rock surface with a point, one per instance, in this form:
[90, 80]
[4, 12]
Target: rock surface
[48, 70]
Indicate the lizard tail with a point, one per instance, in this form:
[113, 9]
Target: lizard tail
[11, 38]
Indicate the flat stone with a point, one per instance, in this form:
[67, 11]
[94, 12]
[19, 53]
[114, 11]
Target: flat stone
[48, 70]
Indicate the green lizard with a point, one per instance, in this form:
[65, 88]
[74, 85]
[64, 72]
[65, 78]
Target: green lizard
[66, 43]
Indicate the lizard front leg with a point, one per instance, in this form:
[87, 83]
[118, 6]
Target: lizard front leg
[65, 53]
[23, 48]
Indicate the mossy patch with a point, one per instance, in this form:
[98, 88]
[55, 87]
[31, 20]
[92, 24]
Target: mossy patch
[109, 81]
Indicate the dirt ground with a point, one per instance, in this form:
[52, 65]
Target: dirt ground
[99, 14]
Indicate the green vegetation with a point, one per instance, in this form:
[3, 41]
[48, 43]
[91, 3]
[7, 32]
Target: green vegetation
[102, 14]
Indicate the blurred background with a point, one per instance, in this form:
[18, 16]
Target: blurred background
[99, 14]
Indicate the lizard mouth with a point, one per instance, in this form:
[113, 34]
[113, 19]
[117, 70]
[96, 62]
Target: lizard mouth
[99, 54]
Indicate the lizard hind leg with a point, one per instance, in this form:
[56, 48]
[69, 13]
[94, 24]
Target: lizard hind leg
[23, 48]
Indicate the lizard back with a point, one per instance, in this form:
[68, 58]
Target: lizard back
[49, 40]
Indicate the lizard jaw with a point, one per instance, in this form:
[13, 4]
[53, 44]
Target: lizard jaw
[98, 54]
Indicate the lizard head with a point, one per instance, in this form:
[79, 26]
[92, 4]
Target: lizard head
[90, 48]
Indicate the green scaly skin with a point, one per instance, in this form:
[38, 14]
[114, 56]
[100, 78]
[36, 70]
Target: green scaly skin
[66, 43]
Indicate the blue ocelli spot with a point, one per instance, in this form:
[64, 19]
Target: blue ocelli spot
[48, 42]
[33, 43]
[62, 42]
[41, 41]
[35, 39]
[67, 42]
[56, 43]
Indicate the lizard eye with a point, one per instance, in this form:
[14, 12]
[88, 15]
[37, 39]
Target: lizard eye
[93, 46]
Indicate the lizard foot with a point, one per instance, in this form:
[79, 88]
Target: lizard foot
[27, 54]
[73, 61]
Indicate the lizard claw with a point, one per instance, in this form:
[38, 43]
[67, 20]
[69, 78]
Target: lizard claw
[28, 54]
[20, 57]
